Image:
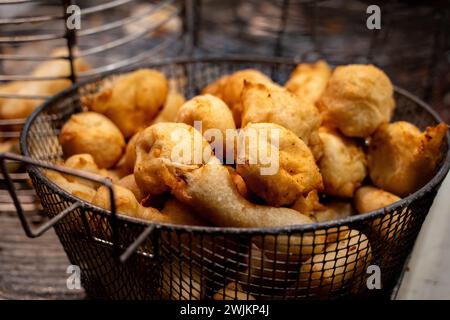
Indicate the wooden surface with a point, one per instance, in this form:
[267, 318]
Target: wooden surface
[32, 268]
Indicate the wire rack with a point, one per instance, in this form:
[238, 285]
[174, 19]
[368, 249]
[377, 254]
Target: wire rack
[125, 258]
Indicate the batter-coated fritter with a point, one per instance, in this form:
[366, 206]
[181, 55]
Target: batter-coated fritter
[342, 165]
[132, 100]
[214, 116]
[277, 105]
[229, 89]
[357, 99]
[308, 81]
[92, 133]
[402, 159]
[167, 142]
[293, 169]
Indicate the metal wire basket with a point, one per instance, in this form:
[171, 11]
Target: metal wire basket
[125, 258]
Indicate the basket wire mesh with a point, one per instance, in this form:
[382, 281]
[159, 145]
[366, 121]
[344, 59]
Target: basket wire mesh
[321, 261]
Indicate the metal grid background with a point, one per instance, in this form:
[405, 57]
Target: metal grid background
[195, 262]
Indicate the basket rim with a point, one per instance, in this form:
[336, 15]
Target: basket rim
[435, 181]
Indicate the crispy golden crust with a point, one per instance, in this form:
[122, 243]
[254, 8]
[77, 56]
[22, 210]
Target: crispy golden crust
[130, 152]
[357, 99]
[239, 182]
[342, 165]
[264, 104]
[132, 100]
[229, 89]
[76, 189]
[92, 133]
[85, 162]
[22, 108]
[170, 109]
[213, 114]
[210, 189]
[308, 81]
[180, 213]
[369, 198]
[129, 183]
[340, 263]
[167, 143]
[401, 159]
[296, 174]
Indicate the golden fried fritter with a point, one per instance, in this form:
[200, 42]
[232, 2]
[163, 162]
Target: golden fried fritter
[130, 153]
[342, 165]
[85, 162]
[369, 198]
[357, 99]
[76, 189]
[166, 142]
[279, 106]
[229, 89]
[92, 133]
[170, 109]
[129, 183]
[131, 100]
[308, 81]
[289, 171]
[213, 114]
[401, 159]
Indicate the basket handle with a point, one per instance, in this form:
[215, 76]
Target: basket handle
[33, 233]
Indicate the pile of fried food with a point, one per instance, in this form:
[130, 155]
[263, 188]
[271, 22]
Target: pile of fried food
[339, 155]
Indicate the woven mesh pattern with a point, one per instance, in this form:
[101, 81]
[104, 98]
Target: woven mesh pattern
[320, 261]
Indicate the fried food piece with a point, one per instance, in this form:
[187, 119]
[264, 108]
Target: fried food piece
[401, 159]
[176, 143]
[76, 189]
[170, 109]
[212, 192]
[85, 162]
[129, 183]
[342, 165]
[276, 105]
[308, 204]
[291, 170]
[239, 183]
[214, 115]
[357, 100]
[369, 198]
[341, 263]
[131, 100]
[308, 81]
[182, 214]
[22, 108]
[334, 210]
[389, 227]
[229, 89]
[130, 153]
[232, 291]
[92, 133]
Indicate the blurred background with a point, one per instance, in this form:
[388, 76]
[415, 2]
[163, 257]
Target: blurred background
[412, 47]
